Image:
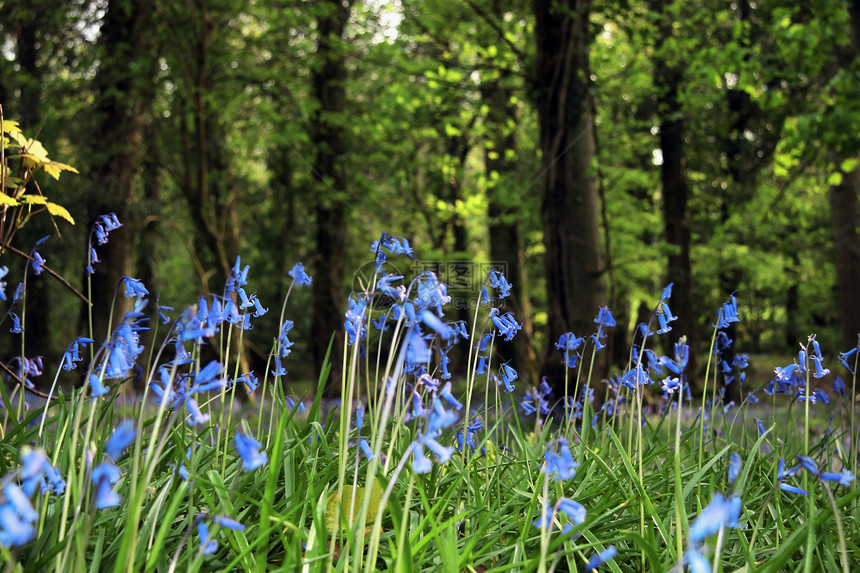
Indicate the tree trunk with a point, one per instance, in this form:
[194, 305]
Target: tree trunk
[328, 137]
[574, 261]
[504, 226]
[121, 110]
[673, 177]
[845, 217]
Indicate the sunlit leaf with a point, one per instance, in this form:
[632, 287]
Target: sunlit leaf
[373, 507]
[54, 168]
[60, 211]
[11, 126]
[7, 200]
[34, 200]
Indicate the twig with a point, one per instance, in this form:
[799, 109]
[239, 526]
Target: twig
[63, 281]
[24, 386]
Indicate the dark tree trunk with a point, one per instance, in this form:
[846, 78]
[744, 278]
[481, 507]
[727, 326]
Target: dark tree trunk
[504, 225]
[38, 297]
[574, 261]
[329, 90]
[845, 217]
[673, 177]
[845, 211]
[121, 110]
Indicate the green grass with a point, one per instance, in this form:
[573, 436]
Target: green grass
[313, 505]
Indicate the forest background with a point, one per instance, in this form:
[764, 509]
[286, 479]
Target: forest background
[595, 150]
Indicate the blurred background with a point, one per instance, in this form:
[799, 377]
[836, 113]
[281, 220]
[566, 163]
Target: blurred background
[595, 151]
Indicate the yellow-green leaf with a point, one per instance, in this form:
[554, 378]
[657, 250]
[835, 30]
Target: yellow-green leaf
[11, 126]
[34, 200]
[849, 165]
[372, 508]
[7, 200]
[834, 179]
[36, 151]
[60, 211]
[54, 168]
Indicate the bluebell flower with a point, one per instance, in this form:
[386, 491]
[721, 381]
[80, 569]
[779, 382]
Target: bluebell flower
[3, 272]
[383, 284]
[431, 292]
[354, 323]
[500, 283]
[443, 366]
[250, 381]
[719, 513]
[417, 351]
[73, 353]
[845, 356]
[445, 394]
[735, 465]
[421, 464]
[14, 529]
[558, 461]
[507, 325]
[792, 489]
[228, 523]
[238, 277]
[636, 377]
[16, 324]
[249, 450]
[838, 386]
[258, 308]
[472, 428]
[104, 476]
[697, 562]
[604, 317]
[820, 371]
[664, 325]
[279, 368]
[569, 342]
[599, 559]
[433, 322]
[38, 263]
[207, 546]
[16, 497]
[573, 510]
[808, 464]
[544, 521]
[134, 287]
[98, 387]
[506, 376]
[196, 416]
[844, 477]
[365, 447]
[206, 379]
[121, 438]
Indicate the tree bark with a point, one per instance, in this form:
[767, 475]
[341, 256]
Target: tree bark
[574, 260]
[504, 225]
[845, 218]
[329, 90]
[673, 178]
[118, 149]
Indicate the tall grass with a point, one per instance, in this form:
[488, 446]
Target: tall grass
[410, 473]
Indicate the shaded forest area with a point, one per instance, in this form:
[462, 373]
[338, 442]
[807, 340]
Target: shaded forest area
[595, 150]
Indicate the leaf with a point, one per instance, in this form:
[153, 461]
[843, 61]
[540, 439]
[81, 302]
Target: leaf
[54, 168]
[11, 126]
[834, 179]
[7, 200]
[36, 152]
[332, 504]
[34, 200]
[849, 165]
[60, 211]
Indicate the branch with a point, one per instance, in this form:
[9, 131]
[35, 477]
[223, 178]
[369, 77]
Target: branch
[492, 23]
[63, 281]
[27, 388]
